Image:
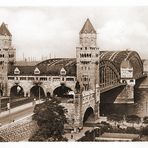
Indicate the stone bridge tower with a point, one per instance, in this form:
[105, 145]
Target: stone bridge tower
[87, 54]
[88, 58]
[7, 56]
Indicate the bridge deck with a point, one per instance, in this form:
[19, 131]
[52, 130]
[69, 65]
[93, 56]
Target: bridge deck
[109, 87]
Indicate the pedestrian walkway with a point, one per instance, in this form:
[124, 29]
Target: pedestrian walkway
[19, 108]
[76, 136]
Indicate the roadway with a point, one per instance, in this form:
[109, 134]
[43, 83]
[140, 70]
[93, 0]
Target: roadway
[17, 112]
[16, 115]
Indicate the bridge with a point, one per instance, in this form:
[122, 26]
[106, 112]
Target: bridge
[119, 71]
[93, 76]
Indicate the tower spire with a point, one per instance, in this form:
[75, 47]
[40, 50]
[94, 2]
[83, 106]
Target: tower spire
[88, 27]
[4, 30]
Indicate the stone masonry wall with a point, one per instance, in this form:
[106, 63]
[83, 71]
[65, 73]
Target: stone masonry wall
[18, 131]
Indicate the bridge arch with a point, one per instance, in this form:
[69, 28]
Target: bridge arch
[61, 91]
[16, 91]
[88, 115]
[116, 57]
[109, 74]
[137, 64]
[37, 91]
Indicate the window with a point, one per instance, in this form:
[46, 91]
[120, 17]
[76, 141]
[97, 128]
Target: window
[56, 79]
[11, 55]
[16, 71]
[43, 78]
[62, 71]
[30, 78]
[85, 48]
[69, 79]
[36, 71]
[10, 78]
[22, 78]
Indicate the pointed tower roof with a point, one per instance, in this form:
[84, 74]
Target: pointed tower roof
[4, 30]
[88, 27]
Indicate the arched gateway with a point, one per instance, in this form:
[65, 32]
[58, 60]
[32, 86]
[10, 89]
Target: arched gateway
[37, 92]
[88, 115]
[16, 91]
[61, 91]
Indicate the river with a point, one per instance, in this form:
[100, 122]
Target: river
[140, 107]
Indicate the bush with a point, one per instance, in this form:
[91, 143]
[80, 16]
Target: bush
[132, 130]
[115, 117]
[145, 131]
[133, 119]
[89, 136]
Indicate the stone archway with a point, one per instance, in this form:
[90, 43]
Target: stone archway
[62, 91]
[88, 115]
[16, 91]
[37, 92]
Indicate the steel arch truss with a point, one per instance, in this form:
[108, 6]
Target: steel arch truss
[137, 64]
[109, 75]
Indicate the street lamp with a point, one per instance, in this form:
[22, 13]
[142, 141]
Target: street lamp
[8, 106]
[39, 94]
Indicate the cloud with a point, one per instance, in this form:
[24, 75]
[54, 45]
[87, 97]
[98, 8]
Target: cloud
[121, 35]
[41, 31]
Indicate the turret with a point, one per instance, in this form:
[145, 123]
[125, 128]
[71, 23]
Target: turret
[88, 58]
[7, 55]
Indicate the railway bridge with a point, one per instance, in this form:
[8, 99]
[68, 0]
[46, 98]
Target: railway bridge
[119, 73]
[93, 76]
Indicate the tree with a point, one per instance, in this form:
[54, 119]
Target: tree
[133, 119]
[116, 118]
[50, 117]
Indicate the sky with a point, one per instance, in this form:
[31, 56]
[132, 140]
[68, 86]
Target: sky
[53, 31]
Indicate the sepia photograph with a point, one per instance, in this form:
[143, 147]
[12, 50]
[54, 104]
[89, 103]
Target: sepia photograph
[73, 73]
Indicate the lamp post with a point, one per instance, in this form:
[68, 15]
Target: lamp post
[8, 106]
[39, 94]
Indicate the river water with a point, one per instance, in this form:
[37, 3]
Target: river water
[140, 107]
